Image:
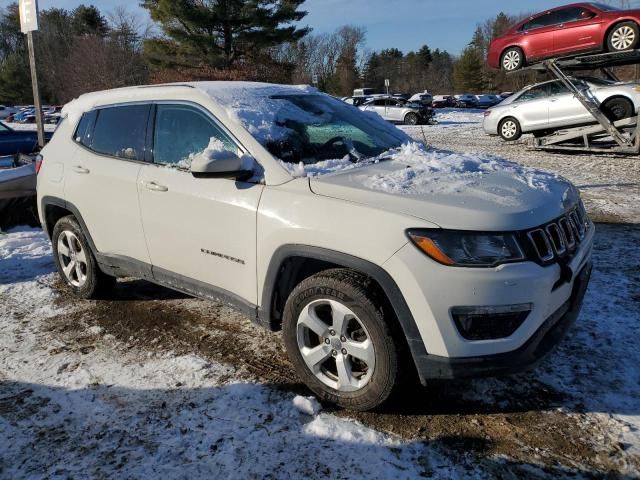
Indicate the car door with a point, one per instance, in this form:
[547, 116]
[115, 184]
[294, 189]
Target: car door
[564, 108]
[537, 35]
[101, 179]
[380, 106]
[532, 108]
[395, 110]
[579, 29]
[12, 141]
[201, 232]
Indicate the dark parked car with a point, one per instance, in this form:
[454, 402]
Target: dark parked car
[16, 141]
[567, 30]
[444, 101]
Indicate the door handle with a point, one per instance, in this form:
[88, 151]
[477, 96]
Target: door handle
[80, 169]
[155, 187]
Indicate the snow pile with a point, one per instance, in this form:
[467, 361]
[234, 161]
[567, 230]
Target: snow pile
[24, 254]
[206, 155]
[320, 168]
[452, 117]
[417, 170]
[252, 106]
[432, 171]
[307, 405]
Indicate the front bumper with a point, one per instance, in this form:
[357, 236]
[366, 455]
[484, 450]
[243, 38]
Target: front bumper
[543, 342]
[432, 290]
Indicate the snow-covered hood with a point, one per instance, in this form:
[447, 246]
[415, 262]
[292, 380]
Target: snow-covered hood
[467, 192]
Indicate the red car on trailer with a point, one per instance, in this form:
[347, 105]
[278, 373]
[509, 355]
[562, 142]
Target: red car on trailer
[563, 31]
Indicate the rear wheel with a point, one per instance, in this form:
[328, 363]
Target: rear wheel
[512, 59]
[509, 129]
[623, 36]
[617, 108]
[411, 119]
[75, 261]
[338, 340]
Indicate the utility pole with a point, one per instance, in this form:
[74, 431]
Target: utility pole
[29, 24]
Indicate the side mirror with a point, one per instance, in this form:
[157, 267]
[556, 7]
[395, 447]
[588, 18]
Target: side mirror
[219, 164]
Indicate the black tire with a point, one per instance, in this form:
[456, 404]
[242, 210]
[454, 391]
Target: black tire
[358, 293]
[96, 282]
[617, 108]
[411, 119]
[623, 36]
[509, 129]
[512, 59]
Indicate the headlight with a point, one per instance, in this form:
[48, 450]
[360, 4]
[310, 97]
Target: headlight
[467, 249]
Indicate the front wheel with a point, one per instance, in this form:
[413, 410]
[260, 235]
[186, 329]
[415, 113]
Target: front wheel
[411, 119]
[75, 261]
[623, 36]
[509, 129]
[338, 339]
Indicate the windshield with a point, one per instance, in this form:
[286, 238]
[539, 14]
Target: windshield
[604, 7]
[314, 128]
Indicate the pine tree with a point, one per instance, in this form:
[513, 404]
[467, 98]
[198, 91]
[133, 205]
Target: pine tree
[89, 21]
[15, 80]
[220, 33]
[468, 73]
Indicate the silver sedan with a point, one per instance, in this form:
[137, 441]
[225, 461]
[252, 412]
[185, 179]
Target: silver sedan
[399, 111]
[549, 106]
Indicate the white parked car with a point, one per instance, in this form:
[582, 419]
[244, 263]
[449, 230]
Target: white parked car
[286, 203]
[425, 98]
[397, 110]
[545, 107]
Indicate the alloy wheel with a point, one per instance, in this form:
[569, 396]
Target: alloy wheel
[335, 345]
[509, 129]
[623, 38]
[511, 60]
[73, 259]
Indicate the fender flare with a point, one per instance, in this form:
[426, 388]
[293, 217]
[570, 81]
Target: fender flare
[386, 282]
[59, 202]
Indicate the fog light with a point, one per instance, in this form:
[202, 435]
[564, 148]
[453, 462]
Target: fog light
[490, 323]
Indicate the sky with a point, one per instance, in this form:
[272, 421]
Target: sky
[404, 24]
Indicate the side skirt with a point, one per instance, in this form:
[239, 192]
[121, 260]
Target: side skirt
[118, 266]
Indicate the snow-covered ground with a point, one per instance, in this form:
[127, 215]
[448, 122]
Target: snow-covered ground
[80, 397]
[609, 184]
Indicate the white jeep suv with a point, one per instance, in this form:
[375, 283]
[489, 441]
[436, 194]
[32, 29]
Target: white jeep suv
[376, 256]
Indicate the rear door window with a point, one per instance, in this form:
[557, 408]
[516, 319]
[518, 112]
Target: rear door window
[534, 93]
[121, 131]
[182, 132]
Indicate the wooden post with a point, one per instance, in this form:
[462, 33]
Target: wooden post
[36, 90]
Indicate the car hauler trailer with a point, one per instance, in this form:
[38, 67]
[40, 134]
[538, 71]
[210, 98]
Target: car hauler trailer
[622, 137]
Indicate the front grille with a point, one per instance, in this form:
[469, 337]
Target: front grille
[560, 238]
